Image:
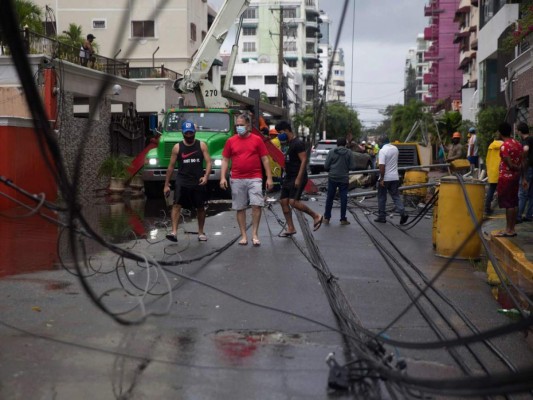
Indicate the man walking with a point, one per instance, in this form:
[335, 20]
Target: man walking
[525, 195]
[338, 163]
[389, 181]
[509, 180]
[294, 180]
[191, 180]
[247, 153]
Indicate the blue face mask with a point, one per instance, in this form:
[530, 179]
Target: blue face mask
[241, 130]
[282, 137]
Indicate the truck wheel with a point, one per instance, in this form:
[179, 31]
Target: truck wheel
[153, 190]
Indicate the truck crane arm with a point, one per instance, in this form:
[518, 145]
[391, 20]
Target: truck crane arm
[196, 76]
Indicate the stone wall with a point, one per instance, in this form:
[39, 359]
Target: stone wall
[89, 146]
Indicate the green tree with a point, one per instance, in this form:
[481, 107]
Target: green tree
[29, 15]
[410, 86]
[303, 119]
[342, 120]
[488, 121]
[404, 117]
[449, 123]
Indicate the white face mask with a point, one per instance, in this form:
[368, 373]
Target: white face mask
[241, 130]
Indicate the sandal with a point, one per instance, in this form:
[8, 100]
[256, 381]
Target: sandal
[243, 242]
[172, 237]
[318, 223]
[256, 242]
[286, 234]
[202, 237]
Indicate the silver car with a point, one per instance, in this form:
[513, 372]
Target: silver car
[321, 150]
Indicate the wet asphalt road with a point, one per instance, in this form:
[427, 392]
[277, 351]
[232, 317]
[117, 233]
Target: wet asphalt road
[234, 331]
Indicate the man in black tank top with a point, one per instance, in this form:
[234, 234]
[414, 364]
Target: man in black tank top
[191, 179]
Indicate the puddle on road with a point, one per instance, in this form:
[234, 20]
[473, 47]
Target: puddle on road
[30, 244]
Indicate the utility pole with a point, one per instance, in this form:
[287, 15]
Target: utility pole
[280, 58]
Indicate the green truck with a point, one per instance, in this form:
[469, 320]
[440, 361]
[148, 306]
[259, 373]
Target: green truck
[213, 127]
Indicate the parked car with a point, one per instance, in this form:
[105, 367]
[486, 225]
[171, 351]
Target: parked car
[321, 150]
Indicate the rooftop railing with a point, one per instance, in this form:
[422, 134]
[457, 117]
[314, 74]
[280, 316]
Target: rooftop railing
[39, 44]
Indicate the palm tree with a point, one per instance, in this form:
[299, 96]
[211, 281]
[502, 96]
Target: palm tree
[29, 15]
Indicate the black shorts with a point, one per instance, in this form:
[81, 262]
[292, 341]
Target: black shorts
[289, 191]
[190, 197]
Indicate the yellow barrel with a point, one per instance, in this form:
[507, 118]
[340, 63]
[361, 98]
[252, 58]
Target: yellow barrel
[454, 224]
[415, 177]
[434, 227]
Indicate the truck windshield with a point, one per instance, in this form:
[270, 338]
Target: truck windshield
[204, 121]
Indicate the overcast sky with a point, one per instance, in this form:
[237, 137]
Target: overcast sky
[383, 32]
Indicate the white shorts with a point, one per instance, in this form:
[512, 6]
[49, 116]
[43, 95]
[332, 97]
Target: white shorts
[246, 192]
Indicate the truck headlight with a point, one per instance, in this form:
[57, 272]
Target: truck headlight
[152, 161]
[217, 163]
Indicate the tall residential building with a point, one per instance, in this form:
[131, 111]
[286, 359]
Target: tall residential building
[495, 20]
[415, 68]
[467, 18]
[337, 85]
[299, 23]
[444, 78]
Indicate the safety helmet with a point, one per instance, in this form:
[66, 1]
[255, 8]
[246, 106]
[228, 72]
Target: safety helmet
[472, 130]
[456, 135]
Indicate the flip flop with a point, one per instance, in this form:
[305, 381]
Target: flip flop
[318, 224]
[256, 242]
[202, 238]
[243, 243]
[286, 234]
[172, 237]
[504, 234]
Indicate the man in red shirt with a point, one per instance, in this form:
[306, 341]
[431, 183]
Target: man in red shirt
[509, 178]
[247, 153]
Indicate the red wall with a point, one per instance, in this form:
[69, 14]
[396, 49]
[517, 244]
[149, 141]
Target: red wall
[21, 161]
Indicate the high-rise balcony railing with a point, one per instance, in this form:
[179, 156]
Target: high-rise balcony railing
[431, 32]
[430, 79]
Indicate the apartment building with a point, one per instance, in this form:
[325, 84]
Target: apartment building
[495, 21]
[467, 20]
[417, 65]
[299, 24]
[444, 78]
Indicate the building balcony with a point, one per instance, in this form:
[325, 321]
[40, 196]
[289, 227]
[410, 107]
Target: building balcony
[431, 9]
[431, 32]
[431, 55]
[460, 14]
[430, 79]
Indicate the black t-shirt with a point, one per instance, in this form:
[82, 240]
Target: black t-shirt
[292, 161]
[190, 164]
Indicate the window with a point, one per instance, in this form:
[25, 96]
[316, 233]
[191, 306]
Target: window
[249, 31]
[289, 13]
[309, 47]
[250, 13]
[193, 32]
[309, 95]
[248, 47]
[239, 80]
[99, 23]
[142, 29]
[309, 81]
[204, 34]
[271, 80]
[291, 32]
[292, 63]
[289, 46]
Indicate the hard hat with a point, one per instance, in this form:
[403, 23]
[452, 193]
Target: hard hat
[472, 130]
[456, 135]
[363, 142]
